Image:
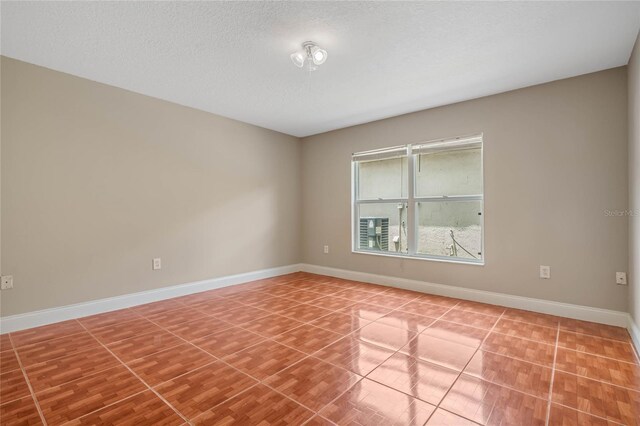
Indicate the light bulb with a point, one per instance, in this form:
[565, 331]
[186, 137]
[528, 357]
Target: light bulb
[318, 55]
[298, 59]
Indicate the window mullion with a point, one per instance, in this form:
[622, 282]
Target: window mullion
[411, 205]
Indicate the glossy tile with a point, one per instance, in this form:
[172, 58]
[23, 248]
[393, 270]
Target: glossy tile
[303, 296]
[320, 288]
[162, 366]
[386, 301]
[65, 369]
[177, 316]
[56, 348]
[8, 361]
[228, 341]
[47, 332]
[272, 325]
[277, 304]
[264, 359]
[312, 383]
[340, 323]
[305, 313]
[525, 330]
[307, 338]
[438, 300]
[616, 349]
[594, 329]
[406, 321]
[13, 386]
[332, 303]
[522, 376]
[400, 293]
[257, 406]
[194, 393]
[108, 318]
[384, 335]
[490, 404]
[113, 333]
[426, 309]
[71, 400]
[146, 344]
[470, 318]
[468, 336]
[242, 315]
[5, 342]
[565, 416]
[531, 317]
[445, 418]
[370, 403]
[248, 297]
[523, 349]
[216, 306]
[279, 290]
[480, 308]
[355, 294]
[144, 408]
[442, 352]
[423, 380]
[194, 330]
[319, 421]
[20, 412]
[366, 311]
[600, 399]
[370, 354]
[354, 355]
[608, 370]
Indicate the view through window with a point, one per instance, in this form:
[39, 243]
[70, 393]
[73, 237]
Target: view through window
[423, 200]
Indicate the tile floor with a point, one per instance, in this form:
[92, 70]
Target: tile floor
[309, 349]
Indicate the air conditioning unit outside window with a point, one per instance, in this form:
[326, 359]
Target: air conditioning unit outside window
[374, 233]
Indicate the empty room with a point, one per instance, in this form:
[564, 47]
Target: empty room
[320, 213]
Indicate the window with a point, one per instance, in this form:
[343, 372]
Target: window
[423, 200]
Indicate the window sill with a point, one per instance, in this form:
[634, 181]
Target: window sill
[420, 257]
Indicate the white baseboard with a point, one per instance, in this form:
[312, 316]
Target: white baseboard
[586, 313]
[48, 316]
[634, 331]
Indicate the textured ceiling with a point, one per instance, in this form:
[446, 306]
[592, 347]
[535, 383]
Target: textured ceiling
[385, 58]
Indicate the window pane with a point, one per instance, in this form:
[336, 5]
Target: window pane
[382, 227]
[450, 228]
[382, 179]
[449, 173]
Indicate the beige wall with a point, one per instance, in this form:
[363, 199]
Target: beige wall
[634, 182]
[97, 181]
[555, 160]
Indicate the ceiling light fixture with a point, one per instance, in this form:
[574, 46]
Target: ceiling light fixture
[311, 55]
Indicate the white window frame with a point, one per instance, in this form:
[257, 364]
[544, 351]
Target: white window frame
[412, 202]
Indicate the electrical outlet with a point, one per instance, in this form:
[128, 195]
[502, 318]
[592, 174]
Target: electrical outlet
[6, 282]
[545, 272]
[621, 278]
[326, 249]
[157, 263]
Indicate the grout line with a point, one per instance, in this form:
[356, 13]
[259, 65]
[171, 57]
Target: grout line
[465, 366]
[589, 414]
[139, 378]
[553, 371]
[217, 359]
[26, 378]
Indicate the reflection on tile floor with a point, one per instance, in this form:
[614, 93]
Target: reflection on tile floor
[309, 349]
